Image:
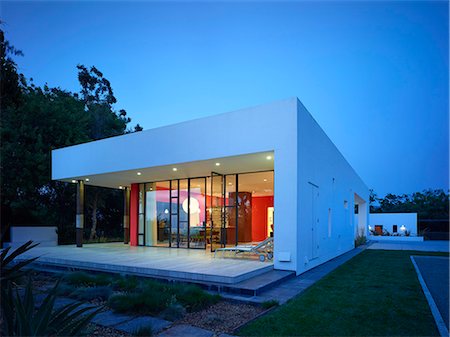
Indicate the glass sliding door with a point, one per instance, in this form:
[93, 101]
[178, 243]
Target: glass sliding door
[183, 208]
[216, 211]
[150, 214]
[197, 213]
[163, 216]
[141, 213]
[230, 220]
[173, 211]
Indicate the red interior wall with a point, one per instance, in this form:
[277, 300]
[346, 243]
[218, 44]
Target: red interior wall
[134, 198]
[259, 217]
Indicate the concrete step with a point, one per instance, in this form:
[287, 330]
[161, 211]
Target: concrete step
[258, 284]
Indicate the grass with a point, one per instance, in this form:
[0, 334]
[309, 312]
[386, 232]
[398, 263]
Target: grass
[376, 293]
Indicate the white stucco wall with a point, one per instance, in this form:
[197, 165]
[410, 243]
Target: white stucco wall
[388, 220]
[320, 163]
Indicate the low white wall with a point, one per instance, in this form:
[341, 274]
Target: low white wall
[388, 220]
[46, 236]
[395, 238]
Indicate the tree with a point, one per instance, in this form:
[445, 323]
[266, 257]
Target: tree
[37, 120]
[428, 204]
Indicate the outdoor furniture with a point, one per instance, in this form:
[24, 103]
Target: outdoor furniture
[264, 249]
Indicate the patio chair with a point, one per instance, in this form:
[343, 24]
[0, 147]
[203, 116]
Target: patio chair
[264, 249]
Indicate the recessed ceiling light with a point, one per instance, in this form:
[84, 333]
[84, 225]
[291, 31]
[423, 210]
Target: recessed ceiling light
[174, 169]
[269, 157]
[217, 164]
[74, 181]
[87, 179]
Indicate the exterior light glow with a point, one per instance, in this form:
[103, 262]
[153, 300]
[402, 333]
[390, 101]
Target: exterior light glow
[121, 187]
[217, 164]
[139, 173]
[230, 183]
[265, 179]
[370, 228]
[269, 157]
[87, 179]
[166, 211]
[74, 181]
[403, 228]
[174, 169]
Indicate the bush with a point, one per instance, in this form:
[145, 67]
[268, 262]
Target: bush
[174, 311]
[81, 278]
[125, 283]
[194, 298]
[145, 302]
[91, 293]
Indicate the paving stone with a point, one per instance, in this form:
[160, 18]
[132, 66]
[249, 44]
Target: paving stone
[185, 330]
[110, 319]
[157, 324]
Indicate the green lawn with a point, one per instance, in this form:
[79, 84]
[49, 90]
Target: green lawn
[377, 293]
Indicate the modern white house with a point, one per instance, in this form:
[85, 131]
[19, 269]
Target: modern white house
[230, 179]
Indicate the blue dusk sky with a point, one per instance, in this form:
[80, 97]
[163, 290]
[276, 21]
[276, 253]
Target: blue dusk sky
[373, 74]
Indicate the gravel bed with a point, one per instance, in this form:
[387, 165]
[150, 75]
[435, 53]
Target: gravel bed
[222, 317]
[97, 330]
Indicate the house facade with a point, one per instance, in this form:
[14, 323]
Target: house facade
[229, 179]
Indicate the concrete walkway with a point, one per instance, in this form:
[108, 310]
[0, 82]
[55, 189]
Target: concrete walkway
[433, 274]
[424, 246]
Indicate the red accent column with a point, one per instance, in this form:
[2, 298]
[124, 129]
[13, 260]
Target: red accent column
[134, 199]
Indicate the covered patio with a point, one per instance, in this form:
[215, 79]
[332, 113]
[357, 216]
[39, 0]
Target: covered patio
[174, 264]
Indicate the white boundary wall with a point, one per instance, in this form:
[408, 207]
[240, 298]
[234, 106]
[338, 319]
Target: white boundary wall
[388, 220]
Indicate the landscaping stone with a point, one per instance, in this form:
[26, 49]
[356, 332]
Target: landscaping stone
[110, 319]
[185, 330]
[157, 324]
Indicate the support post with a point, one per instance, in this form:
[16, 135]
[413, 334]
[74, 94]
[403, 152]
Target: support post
[80, 213]
[126, 215]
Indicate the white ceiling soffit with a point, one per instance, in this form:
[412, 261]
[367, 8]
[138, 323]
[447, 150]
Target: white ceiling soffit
[254, 162]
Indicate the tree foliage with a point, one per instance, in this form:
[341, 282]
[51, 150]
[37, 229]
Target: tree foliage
[428, 204]
[36, 120]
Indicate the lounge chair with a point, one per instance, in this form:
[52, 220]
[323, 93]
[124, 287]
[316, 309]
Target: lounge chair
[264, 249]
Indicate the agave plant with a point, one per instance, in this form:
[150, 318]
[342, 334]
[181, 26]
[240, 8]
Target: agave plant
[11, 272]
[19, 317]
[22, 319]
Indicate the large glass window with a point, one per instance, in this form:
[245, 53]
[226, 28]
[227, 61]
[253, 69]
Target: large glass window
[206, 212]
[255, 207]
[197, 211]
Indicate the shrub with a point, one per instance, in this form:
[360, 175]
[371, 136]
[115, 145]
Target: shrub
[174, 311]
[81, 278]
[145, 302]
[125, 283]
[194, 298]
[91, 293]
